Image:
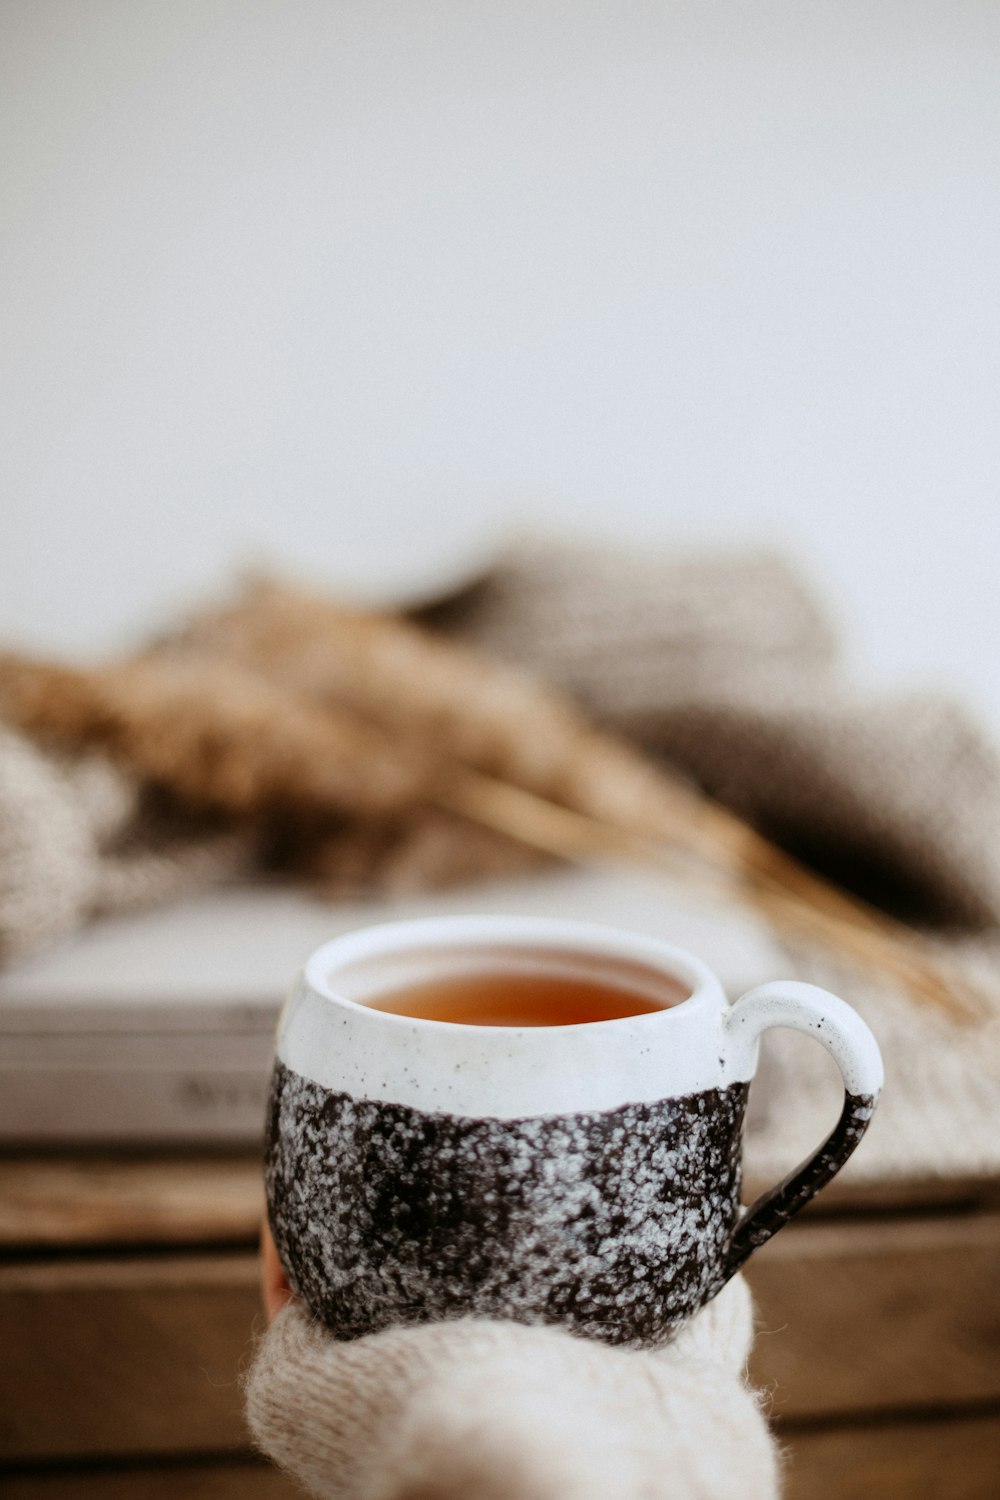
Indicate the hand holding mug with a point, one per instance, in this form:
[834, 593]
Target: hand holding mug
[585, 1174]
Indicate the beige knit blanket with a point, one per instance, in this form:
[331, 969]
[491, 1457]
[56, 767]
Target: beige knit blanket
[726, 667]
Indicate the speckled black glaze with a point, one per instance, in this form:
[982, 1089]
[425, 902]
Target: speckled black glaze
[616, 1224]
[774, 1209]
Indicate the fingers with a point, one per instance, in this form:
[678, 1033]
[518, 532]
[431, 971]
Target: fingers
[274, 1288]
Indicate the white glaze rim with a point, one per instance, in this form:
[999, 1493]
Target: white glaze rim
[505, 1072]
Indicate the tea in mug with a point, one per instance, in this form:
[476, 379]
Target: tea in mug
[493, 998]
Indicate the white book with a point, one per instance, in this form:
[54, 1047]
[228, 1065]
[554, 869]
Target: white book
[159, 1027]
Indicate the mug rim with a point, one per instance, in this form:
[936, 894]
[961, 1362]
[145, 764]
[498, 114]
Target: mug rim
[595, 939]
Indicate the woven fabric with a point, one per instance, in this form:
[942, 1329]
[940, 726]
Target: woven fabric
[727, 668]
[501, 1411]
[75, 842]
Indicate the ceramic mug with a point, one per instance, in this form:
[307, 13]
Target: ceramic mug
[586, 1175]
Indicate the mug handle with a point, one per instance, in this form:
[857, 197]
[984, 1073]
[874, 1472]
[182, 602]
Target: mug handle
[802, 1007]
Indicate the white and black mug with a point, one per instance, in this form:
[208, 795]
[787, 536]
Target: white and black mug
[586, 1175]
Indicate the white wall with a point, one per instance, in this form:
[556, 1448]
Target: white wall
[350, 284]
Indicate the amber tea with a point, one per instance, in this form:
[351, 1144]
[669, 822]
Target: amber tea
[521, 999]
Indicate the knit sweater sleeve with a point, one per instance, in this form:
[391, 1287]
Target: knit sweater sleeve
[500, 1411]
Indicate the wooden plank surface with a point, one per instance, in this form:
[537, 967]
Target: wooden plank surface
[50, 1202]
[143, 1353]
[240, 1479]
[870, 1315]
[59, 1201]
[128, 1356]
[935, 1459]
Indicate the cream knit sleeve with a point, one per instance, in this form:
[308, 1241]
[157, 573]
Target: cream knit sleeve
[478, 1410]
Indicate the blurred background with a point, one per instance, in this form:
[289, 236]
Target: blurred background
[361, 293]
[363, 288]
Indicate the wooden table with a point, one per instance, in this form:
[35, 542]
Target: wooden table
[128, 1303]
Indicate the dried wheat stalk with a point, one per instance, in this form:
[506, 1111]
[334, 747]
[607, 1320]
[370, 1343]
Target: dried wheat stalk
[792, 899]
[285, 700]
[524, 738]
[217, 735]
